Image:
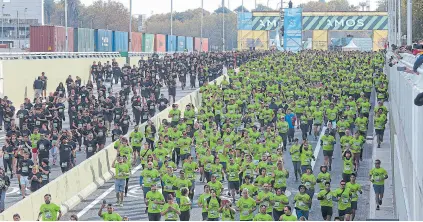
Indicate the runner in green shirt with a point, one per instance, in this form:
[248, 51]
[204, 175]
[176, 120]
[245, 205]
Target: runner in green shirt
[154, 201]
[327, 142]
[263, 215]
[246, 206]
[122, 172]
[232, 171]
[213, 206]
[295, 153]
[355, 189]
[228, 212]
[326, 201]
[170, 210]
[288, 215]
[202, 201]
[109, 215]
[49, 211]
[343, 196]
[302, 202]
[185, 205]
[377, 176]
[136, 138]
[279, 200]
[323, 177]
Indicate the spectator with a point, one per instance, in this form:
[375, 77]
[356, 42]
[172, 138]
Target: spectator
[4, 184]
[43, 78]
[38, 88]
[49, 211]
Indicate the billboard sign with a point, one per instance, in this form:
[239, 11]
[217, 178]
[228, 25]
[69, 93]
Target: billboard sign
[345, 22]
[293, 29]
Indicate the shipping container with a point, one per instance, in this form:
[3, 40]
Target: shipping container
[50, 39]
[148, 42]
[136, 42]
[103, 40]
[83, 40]
[189, 43]
[120, 41]
[181, 44]
[205, 45]
[159, 43]
[170, 43]
[197, 44]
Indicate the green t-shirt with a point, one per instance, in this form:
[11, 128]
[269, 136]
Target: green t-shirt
[150, 177]
[233, 171]
[136, 139]
[302, 201]
[227, 215]
[279, 201]
[354, 189]
[378, 175]
[308, 181]
[168, 182]
[213, 207]
[151, 197]
[323, 177]
[265, 199]
[348, 165]
[181, 183]
[203, 200]
[328, 142]
[245, 206]
[171, 215]
[217, 186]
[289, 217]
[345, 198]
[111, 217]
[326, 200]
[49, 212]
[185, 203]
[262, 217]
[122, 170]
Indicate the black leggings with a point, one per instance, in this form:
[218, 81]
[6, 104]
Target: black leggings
[6, 163]
[154, 216]
[126, 185]
[185, 215]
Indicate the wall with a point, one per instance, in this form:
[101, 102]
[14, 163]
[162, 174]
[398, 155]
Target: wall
[20, 74]
[69, 189]
[406, 130]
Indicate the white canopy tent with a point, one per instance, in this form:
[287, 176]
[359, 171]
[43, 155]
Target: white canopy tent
[350, 47]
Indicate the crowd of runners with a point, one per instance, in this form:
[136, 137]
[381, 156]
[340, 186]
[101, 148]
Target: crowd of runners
[241, 132]
[36, 139]
[236, 138]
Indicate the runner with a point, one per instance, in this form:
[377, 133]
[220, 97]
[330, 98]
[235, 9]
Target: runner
[377, 176]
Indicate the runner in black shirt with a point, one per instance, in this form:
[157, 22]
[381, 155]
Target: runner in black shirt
[65, 151]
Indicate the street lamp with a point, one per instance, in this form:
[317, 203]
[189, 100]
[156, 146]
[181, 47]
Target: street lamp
[2, 24]
[130, 27]
[201, 29]
[26, 24]
[66, 25]
[223, 25]
[171, 24]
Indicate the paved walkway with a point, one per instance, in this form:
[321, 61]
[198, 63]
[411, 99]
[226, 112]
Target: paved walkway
[387, 209]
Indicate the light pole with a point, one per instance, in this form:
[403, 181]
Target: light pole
[399, 23]
[26, 24]
[171, 24]
[2, 24]
[201, 25]
[130, 27]
[66, 25]
[223, 25]
[409, 22]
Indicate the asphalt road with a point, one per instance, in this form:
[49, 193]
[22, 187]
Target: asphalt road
[13, 194]
[134, 205]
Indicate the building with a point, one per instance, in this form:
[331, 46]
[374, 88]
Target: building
[17, 17]
[317, 30]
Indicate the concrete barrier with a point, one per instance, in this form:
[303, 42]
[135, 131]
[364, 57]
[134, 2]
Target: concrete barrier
[71, 188]
[19, 75]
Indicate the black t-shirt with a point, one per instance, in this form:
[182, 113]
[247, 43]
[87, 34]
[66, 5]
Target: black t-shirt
[65, 153]
[45, 177]
[44, 147]
[25, 167]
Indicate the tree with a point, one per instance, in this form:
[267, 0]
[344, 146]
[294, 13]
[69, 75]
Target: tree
[48, 10]
[382, 5]
[240, 9]
[333, 5]
[262, 8]
[222, 9]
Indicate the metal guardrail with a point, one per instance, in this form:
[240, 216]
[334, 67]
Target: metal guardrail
[72, 55]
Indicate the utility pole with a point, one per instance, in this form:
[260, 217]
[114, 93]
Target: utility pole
[223, 25]
[201, 29]
[409, 22]
[17, 28]
[2, 24]
[399, 23]
[171, 24]
[26, 24]
[66, 25]
[130, 27]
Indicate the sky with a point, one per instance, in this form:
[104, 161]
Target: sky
[149, 7]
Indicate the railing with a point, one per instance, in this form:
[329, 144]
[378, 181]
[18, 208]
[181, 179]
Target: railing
[406, 139]
[70, 55]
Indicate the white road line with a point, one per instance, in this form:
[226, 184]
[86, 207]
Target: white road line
[102, 196]
[318, 147]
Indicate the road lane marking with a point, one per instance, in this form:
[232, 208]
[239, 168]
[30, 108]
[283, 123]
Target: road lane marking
[318, 148]
[102, 196]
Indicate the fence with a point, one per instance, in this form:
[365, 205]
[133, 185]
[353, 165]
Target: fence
[406, 139]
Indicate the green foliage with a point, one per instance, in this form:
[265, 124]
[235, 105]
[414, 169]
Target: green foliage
[239, 9]
[333, 5]
[262, 8]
